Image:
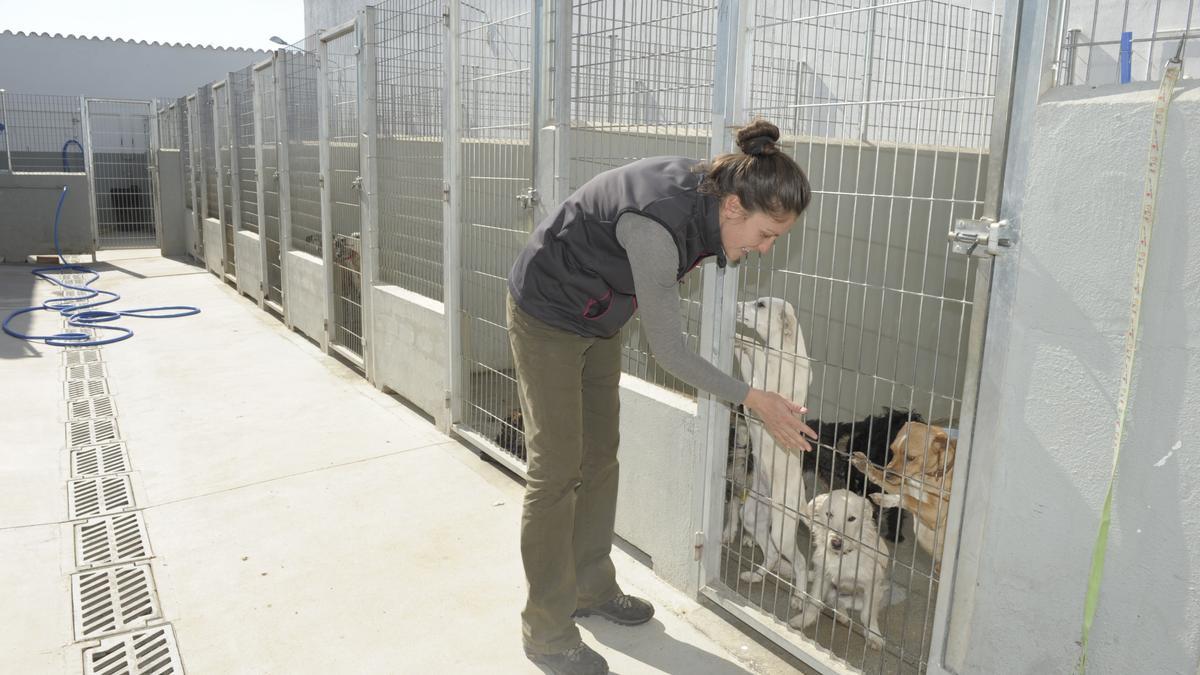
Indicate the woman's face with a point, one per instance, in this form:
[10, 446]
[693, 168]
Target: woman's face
[743, 232]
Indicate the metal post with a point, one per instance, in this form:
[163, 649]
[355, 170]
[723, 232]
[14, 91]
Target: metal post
[89, 167]
[219, 167]
[551, 112]
[868, 67]
[451, 205]
[368, 152]
[730, 90]
[155, 177]
[7, 129]
[285, 176]
[260, 179]
[324, 181]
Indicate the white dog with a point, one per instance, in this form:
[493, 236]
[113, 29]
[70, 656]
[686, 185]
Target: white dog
[777, 362]
[850, 563]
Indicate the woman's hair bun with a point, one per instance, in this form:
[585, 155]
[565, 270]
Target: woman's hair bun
[758, 138]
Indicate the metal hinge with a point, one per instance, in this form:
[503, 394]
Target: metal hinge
[447, 398]
[698, 545]
[528, 198]
[321, 180]
[446, 16]
[446, 191]
[981, 238]
[356, 183]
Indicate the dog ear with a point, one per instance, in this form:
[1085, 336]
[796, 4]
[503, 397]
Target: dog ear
[941, 440]
[787, 319]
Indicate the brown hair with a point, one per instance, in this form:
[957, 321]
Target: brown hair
[761, 175]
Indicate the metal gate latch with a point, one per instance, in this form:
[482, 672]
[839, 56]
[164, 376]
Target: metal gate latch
[980, 238]
[528, 198]
[356, 183]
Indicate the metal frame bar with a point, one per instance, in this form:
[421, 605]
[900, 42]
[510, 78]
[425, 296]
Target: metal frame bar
[261, 182]
[219, 169]
[730, 93]
[452, 189]
[155, 183]
[90, 168]
[282, 125]
[326, 185]
[7, 123]
[368, 165]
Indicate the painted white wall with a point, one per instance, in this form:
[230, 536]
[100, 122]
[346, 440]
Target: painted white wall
[1056, 393]
[82, 66]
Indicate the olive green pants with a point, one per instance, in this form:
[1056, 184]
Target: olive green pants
[570, 400]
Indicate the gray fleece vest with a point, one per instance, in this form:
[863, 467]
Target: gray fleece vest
[574, 274]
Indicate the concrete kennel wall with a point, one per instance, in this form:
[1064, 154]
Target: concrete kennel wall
[1053, 395]
[91, 66]
[27, 205]
[247, 258]
[410, 349]
[214, 246]
[305, 294]
[189, 232]
[172, 230]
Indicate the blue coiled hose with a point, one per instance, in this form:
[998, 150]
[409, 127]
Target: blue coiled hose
[80, 310]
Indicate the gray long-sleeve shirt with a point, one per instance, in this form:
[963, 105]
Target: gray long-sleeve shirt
[654, 258]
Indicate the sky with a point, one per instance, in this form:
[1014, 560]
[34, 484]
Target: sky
[221, 23]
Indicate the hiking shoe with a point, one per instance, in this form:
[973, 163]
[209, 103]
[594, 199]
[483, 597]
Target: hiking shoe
[623, 609]
[581, 660]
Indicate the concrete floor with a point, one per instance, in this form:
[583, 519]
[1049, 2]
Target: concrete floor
[299, 520]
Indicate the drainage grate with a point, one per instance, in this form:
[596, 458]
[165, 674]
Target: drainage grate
[98, 496]
[86, 388]
[99, 459]
[80, 356]
[147, 652]
[91, 432]
[115, 539]
[113, 599]
[99, 406]
[86, 371]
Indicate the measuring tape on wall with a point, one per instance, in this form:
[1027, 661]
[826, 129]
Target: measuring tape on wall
[1158, 133]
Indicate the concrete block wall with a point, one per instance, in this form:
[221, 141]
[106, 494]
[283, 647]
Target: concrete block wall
[27, 206]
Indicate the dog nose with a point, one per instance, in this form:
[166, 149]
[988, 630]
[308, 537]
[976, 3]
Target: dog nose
[835, 543]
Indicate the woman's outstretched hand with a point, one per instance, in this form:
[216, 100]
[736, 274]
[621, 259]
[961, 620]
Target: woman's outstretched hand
[780, 416]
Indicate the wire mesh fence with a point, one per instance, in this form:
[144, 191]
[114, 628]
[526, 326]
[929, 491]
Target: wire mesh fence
[241, 90]
[304, 161]
[861, 310]
[642, 79]
[120, 164]
[410, 79]
[1111, 42]
[340, 72]
[496, 167]
[208, 149]
[170, 122]
[265, 95]
[41, 133]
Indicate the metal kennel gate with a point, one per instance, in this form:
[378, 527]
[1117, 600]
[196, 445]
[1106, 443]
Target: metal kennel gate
[889, 108]
[224, 167]
[194, 191]
[120, 162]
[493, 57]
[265, 96]
[342, 189]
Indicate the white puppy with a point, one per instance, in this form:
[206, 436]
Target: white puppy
[850, 563]
[778, 362]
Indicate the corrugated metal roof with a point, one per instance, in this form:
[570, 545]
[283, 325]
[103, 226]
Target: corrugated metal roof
[186, 45]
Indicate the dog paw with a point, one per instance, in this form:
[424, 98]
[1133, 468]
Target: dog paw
[860, 461]
[874, 639]
[887, 501]
[806, 618]
[752, 577]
